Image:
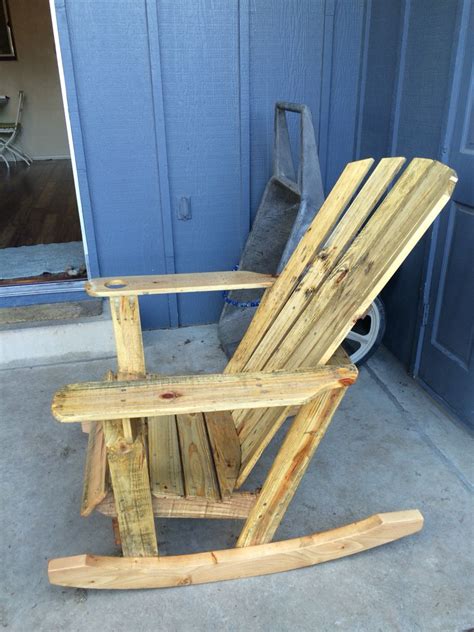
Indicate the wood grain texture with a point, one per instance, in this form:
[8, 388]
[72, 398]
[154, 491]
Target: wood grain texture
[288, 468]
[225, 447]
[96, 401]
[177, 283]
[302, 257]
[38, 204]
[322, 314]
[90, 571]
[94, 487]
[166, 472]
[236, 507]
[126, 442]
[198, 465]
[128, 334]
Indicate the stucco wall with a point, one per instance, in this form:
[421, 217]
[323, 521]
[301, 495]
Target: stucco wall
[35, 72]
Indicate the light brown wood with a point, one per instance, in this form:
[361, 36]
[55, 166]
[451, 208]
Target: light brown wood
[125, 441]
[225, 447]
[236, 507]
[89, 571]
[288, 468]
[302, 257]
[96, 401]
[95, 472]
[198, 465]
[166, 472]
[177, 283]
[260, 429]
[324, 320]
[130, 483]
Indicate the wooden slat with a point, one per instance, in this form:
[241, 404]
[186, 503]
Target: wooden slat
[128, 335]
[126, 452]
[335, 247]
[303, 256]
[255, 437]
[91, 571]
[225, 448]
[288, 468]
[177, 283]
[166, 473]
[95, 472]
[131, 487]
[384, 242]
[95, 401]
[198, 466]
[378, 251]
[237, 507]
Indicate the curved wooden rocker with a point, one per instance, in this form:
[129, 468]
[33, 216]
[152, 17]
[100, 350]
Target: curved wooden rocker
[182, 446]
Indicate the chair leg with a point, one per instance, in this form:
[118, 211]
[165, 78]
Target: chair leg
[288, 469]
[125, 440]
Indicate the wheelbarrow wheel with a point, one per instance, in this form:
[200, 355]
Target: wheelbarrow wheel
[366, 336]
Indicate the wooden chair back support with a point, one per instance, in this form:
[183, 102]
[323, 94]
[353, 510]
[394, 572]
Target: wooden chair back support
[343, 261]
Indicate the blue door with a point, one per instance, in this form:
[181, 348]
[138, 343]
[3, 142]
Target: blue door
[446, 363]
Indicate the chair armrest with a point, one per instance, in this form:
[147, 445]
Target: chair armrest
[177, 283]
[103, 401]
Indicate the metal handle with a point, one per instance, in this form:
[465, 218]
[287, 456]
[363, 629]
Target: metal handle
[309, 173]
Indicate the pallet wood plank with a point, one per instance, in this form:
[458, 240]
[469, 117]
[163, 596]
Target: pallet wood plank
[166, 472]
[95, 401]
[379, 249]
[91, 571]
[288, 468]
[225, 446]
[177, 283]
[126, 441]
[237, 507]
[198, 465]
[303, 256]
[95, 472]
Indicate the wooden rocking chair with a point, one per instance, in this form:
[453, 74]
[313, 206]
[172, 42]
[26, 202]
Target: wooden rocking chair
[182, 446]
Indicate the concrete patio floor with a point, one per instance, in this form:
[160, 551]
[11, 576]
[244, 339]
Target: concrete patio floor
[389, 447]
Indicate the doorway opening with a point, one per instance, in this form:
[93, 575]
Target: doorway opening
[40, 230]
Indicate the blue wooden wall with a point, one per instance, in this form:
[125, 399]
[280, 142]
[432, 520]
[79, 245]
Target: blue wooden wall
[175, 99]
[405, 108]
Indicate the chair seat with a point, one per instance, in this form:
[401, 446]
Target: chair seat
[193, 456]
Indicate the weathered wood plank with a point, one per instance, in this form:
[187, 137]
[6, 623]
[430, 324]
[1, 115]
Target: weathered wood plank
[166, 472]
[288, 468]
[91, 571]
[125, 441]
[95, 472]
[198, 466]
[236, 507]
[225, 448]
[128, 334]
[376, 253]
[303, 256]
[96, 401]
[256, 434]
[131, 488]
[177, 283]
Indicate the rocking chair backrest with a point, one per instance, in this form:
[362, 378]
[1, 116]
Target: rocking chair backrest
[346, 257]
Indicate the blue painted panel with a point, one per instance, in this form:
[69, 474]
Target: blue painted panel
[286, 57]
[421, 102]
[341, 117]
[109, 44]
[199, 46]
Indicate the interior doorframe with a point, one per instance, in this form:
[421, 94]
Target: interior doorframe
[36, 291]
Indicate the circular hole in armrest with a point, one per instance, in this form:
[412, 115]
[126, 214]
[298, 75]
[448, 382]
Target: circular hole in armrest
[115, 284]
